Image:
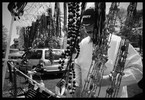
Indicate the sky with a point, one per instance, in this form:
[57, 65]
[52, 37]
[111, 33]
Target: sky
[6, 16]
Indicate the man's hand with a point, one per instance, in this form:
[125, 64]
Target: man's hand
[97, 78]
[106, 81]
[101, 80]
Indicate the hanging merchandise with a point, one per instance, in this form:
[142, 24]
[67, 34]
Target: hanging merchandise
[111, 19]
[117, 72]
[99, 56]
[57, 18]
[68, 80]
[131, 11]
[16, 8]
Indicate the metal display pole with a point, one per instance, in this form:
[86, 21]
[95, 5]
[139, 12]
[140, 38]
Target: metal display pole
[15, 83]
[7, 52]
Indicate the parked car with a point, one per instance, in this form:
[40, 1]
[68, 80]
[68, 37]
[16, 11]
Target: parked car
[43, 56]
[15, 54]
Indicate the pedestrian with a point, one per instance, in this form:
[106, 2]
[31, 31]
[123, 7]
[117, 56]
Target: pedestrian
[132, 69]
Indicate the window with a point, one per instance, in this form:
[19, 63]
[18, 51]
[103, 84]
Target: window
[13, 50]
[47, 54]
[37, 54]
[57, 54]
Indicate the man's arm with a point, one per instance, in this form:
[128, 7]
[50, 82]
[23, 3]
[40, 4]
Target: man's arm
[132, 71]
[78, 78]
[133, 67]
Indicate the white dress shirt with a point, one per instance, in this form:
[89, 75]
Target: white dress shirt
[133, 65]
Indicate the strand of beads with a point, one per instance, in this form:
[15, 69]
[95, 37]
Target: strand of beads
[72, 38]
[71, 34]
[72, 41]
[78, 23]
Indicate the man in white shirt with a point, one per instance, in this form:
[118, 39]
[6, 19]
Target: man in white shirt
[132, 69]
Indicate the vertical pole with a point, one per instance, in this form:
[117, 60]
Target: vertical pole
[65, 14]
[15, 83]
[7, 52]
[140, 43]
[65, 23]
[60, 30]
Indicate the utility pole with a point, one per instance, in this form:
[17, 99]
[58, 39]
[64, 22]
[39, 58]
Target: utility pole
[7, 52]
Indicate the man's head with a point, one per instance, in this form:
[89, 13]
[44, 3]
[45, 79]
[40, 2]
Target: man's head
[88, 19]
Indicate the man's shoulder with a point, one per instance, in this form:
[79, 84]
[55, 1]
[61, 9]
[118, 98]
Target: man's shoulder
[85, 40]
[115, 37]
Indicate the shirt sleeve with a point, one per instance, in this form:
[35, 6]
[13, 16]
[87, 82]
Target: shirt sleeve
[77, 60]
[78, 80]
[133, 67]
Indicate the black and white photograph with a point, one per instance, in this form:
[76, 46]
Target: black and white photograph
[72, 49]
